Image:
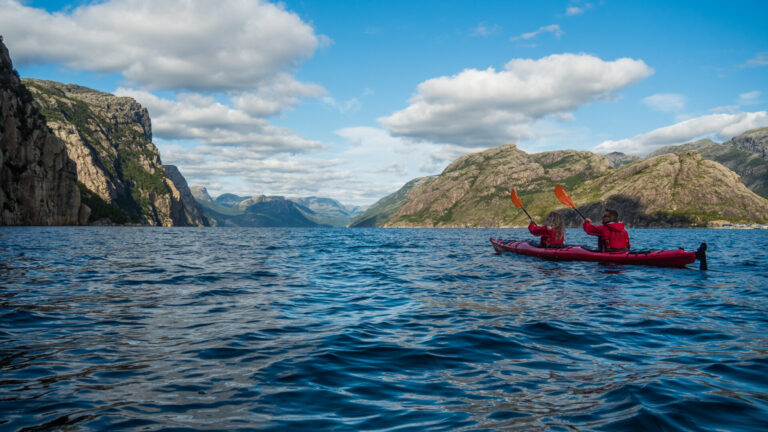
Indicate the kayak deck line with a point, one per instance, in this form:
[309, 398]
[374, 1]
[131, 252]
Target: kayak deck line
[656, 258]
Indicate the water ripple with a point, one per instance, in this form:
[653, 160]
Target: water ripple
[369, 329]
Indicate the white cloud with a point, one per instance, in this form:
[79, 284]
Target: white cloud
[173, 44]
[552, 28]
[484, 30]
[760, 59]
[197, 117]
[578, 8]
[574, 10]
[666, 102]
[719, 126]
[484, 108]
[750, 97]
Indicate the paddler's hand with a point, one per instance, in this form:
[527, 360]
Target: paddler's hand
[588, 220]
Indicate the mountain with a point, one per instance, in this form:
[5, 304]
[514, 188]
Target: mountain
[327, 211]
[230, 200]
[256, 211]
[619, 159]
[38, 183]
[110, 140]
[677, 189]
[754, 141]
[744, 155]
[272, 211]
[382, 209]
[473, 191]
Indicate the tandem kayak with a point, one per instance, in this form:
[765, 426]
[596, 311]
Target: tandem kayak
[657, 258]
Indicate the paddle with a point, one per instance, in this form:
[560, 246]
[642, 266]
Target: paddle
[518, 203]
[565, 199]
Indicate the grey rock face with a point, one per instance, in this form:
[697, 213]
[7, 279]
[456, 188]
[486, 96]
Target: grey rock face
[38, 183]
[110, 139]
[184, 209]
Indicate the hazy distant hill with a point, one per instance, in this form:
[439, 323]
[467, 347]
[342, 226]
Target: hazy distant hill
[619, 159]
[380, 211]
[273, 211]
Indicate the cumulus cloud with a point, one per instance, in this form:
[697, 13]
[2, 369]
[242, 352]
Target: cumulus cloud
[196, 117]
[666, 102]
[174, 44]
[484, 108]
[552, 28]
[719, 126]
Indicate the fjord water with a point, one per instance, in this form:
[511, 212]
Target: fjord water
[372, 329]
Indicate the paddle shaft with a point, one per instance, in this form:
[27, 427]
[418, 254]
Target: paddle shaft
[529, 216]
[577, 211]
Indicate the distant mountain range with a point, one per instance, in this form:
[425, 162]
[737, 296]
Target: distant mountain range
[273, 211]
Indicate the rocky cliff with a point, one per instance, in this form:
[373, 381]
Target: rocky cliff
[110, 139]
[744, 155]
[38, 184]
[671, 190]
[678, 189]
[473, 191]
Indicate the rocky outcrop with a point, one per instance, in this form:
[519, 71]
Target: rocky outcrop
[474, 190]
[619, 159]
[110, 139]
[696, 145]
[743, 155]
[184, 209]
[200, 193]
[754, 141]
[677, 189]
[38, 184]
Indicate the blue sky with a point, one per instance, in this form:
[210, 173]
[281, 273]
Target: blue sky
[352, 99]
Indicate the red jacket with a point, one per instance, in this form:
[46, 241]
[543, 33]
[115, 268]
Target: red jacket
[547, 235]
[610, 236]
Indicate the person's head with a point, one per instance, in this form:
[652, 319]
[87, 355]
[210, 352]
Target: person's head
[555, 221]
[610, 216]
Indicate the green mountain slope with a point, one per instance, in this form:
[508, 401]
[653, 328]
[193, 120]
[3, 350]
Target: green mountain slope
[381, 210]
[670, 190]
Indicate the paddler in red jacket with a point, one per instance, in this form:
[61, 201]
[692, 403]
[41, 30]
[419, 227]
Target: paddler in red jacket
[611, 235]
[552, 233]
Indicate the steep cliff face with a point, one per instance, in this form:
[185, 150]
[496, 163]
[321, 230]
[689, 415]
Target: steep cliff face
[671, 190]
[110, 139]
[184, 209]
[38, 184]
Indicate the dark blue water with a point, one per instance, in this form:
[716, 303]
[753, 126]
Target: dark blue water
[370, 329]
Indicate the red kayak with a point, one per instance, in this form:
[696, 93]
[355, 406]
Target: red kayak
[658, 258]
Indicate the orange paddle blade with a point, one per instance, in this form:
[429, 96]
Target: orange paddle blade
[516, 199]
[563, 196]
